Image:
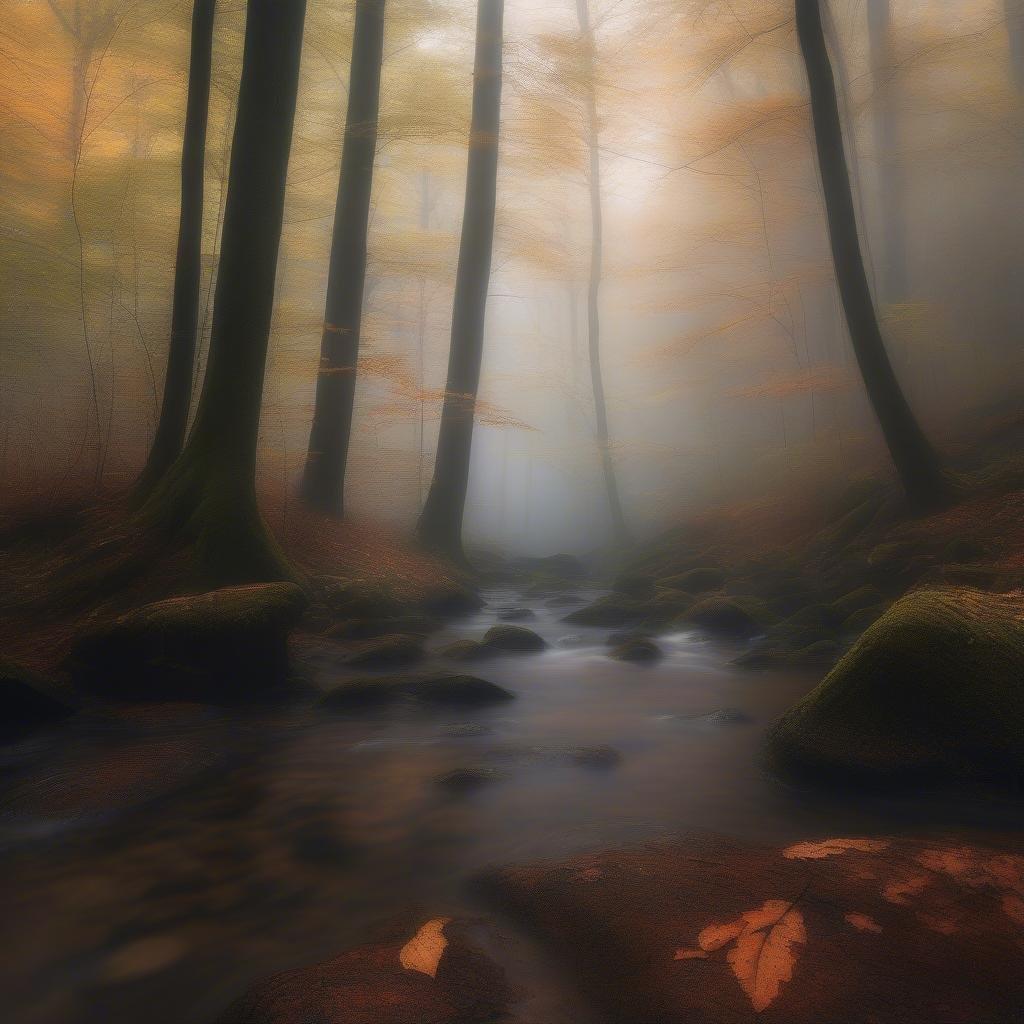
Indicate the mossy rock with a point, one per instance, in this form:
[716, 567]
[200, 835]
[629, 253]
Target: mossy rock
[465, 650]
[665, 607]
[224, 645]
[855, 623]
[393, 651]
[368, 629]
[634, 584]
[613, 610]
[450, 600]
[358, 599]
[821, 654]
[436, 689]
[27, 703]
[863, 597]
[932, 691]
[849, 525]
[729, 616]
[962, 550]
[893, 554]
[695, 581]
[513, 640]
[639, 651]
[517, 615]
[813, 616]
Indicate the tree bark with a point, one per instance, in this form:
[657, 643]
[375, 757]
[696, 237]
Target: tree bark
[890, 168]
[916, 461]
[618, 521]
[440, 525]
[170, 432]
[1014, 10]
[323, 480]
[208, 495]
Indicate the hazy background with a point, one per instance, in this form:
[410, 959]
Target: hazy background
[728, 373]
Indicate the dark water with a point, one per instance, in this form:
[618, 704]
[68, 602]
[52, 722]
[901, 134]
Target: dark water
[161, 863]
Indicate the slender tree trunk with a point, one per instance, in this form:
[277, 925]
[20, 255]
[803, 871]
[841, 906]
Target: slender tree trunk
[323, 480]
[208, 494]
[619, 530]
[1015, 32]
[79, 87]
[170, 431]
[890, 167]
[916, 461]
[440, 525]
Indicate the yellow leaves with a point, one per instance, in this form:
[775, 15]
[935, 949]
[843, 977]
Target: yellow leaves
[830, 847]
[762, 956]
[424, 950]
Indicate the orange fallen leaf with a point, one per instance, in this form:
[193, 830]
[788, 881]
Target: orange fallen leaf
[830, 847]
[863, 923]
[424, 950]
[762, 956]
[936, 923]
[900, 892]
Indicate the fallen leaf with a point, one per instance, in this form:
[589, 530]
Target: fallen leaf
[691, 954]
[762, 958]
[863, 923]
[1013, 908]
[900, 892]
[936, 923]
[830, 847]
[423, 951]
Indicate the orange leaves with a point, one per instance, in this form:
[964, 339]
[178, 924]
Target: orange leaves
[863, 923]
[830, 847]
[762, 956]
[424, 950]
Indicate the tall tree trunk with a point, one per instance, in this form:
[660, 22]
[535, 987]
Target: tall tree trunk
[890, 168]
[1015, 32]
[594, 290]
[208, 495]
[440, 525]
[915, 459]
[170, 431]
[323, 480]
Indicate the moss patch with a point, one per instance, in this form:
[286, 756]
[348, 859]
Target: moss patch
[933, 690]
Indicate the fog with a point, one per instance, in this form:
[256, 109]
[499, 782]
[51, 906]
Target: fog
[729, 375]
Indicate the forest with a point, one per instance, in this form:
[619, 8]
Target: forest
[511, 514]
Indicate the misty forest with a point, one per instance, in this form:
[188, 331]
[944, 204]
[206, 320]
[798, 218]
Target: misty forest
[511, 512]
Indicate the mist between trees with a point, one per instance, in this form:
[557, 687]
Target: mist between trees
[678, 134]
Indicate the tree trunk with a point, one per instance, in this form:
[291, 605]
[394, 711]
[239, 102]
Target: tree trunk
[208, 495]
[619, 531]
[440, 525]
[170, 432]
[323, 480]
[1015, 32]
[916, 462]
[890, 169]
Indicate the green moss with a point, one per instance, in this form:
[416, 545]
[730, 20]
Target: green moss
[854, 601]
[695, 581]
[613, 610]
[730, 616]
[387, 652]
[513, 639]
[638, 650]
[932, 690]
[855, 623]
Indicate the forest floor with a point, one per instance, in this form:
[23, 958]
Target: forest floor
[651, 870]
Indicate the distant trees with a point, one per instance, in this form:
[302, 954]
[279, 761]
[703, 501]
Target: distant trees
[893, 284]
[170, 432]
[208, 493]
[323, 480]
[440, 524]
[916, 461]
[596, 259]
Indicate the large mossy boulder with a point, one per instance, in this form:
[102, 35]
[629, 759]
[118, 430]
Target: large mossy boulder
[934, 690]
[224, 645]
[638, 650]
[26, 703]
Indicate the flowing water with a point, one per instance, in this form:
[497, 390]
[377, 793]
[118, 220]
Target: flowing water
[159, 864]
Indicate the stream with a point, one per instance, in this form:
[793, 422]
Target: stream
[294, 834]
